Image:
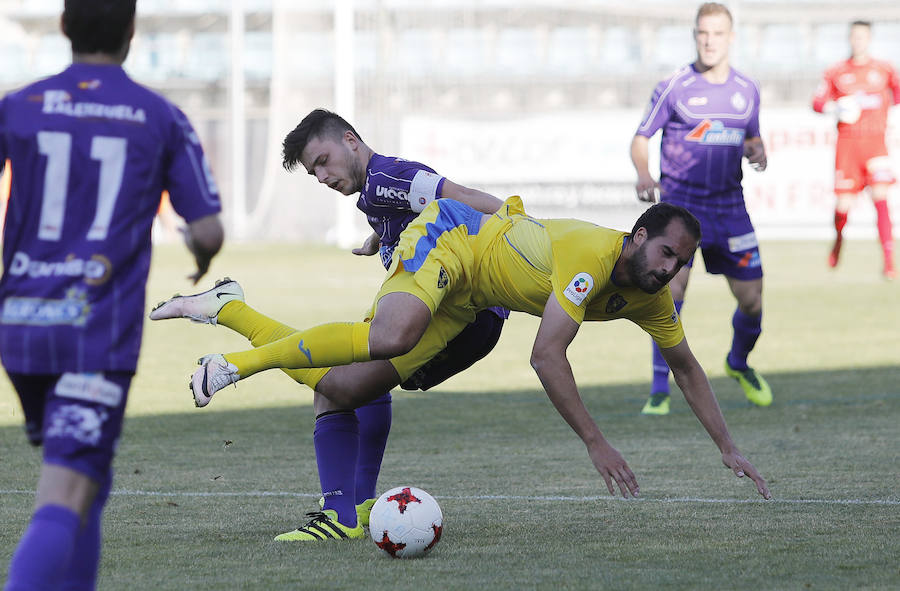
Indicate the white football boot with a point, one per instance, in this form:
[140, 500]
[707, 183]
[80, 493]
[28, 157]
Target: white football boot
[201, 307]
[214, 374]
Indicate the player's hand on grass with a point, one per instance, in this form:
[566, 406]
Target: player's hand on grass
[741, 466]
[613, 468]
[369, 247]
[647, 189]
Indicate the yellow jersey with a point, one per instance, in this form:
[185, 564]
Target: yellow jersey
[522, 260]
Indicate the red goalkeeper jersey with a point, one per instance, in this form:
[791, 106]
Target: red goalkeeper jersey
[875, 86]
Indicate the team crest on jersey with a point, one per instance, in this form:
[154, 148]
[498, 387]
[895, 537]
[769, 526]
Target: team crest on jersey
[443, 279]
[738, 101]
[615, 303]
[715, 133]
[874, 78]
[578, 288]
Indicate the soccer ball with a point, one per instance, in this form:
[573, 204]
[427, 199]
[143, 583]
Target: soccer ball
[406, 522]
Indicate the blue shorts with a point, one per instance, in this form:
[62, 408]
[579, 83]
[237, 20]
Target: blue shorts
[77, 417]
[729, 244]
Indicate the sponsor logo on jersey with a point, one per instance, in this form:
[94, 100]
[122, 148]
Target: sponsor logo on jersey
[73, 310]
[697, 101]
[80, 423]
[715, 133]
[868, 102]
[59, 102]
[95, 270]
[90, 387]
[391, 193]
[615, 303]
[578, 288]
[443, 279]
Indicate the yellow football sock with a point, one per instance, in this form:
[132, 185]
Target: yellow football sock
[262, 330]
[338, 343]
[257, 327]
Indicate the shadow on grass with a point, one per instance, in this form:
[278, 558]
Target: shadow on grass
[264, 448]
[208, 447]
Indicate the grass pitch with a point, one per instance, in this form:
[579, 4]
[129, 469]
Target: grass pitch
[199, 494]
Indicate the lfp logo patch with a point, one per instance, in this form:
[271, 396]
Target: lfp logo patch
[579, 287]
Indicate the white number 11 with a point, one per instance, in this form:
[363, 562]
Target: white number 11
[57, 147]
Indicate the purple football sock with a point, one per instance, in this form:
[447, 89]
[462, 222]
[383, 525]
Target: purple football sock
[45, 550]
[660, 382]
[746, 331]
[82, 572]
[374, 428]
[336, 440]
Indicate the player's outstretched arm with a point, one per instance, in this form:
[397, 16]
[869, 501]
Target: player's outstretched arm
[369, 245]
[478, 200]
[646, 187]
[548, 358]
[692, 380]
[203, 238]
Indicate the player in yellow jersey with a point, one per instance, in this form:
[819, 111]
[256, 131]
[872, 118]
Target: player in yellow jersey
[453, 261]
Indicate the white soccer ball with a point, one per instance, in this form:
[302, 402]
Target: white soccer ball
[406, 522]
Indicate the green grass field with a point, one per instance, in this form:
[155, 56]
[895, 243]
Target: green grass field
[523, 507]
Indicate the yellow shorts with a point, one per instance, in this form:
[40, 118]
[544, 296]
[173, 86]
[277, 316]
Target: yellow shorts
[434, 262]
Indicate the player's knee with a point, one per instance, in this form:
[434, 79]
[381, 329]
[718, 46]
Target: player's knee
[538, 361]
[751, 306]
[386, 342]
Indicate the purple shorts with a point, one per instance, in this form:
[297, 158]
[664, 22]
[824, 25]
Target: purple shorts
[729, 245]
[474, 342]
[77, 417]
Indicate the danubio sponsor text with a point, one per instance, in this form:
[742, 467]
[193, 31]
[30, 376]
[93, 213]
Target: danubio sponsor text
[94, 270]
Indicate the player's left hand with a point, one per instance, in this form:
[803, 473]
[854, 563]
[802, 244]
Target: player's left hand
[614, 469]
[369, 247]
[741, 466]
[201, 259]
[755, 154]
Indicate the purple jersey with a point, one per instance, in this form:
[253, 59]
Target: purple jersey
[396, 190]
[91, 152]
[704, 127]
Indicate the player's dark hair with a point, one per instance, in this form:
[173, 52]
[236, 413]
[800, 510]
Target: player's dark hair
[657, 217]
[318, 124]
[97, 26]
[867, 24]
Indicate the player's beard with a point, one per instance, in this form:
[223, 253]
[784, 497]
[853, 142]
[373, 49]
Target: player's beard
[640, 274]
[357, 175]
